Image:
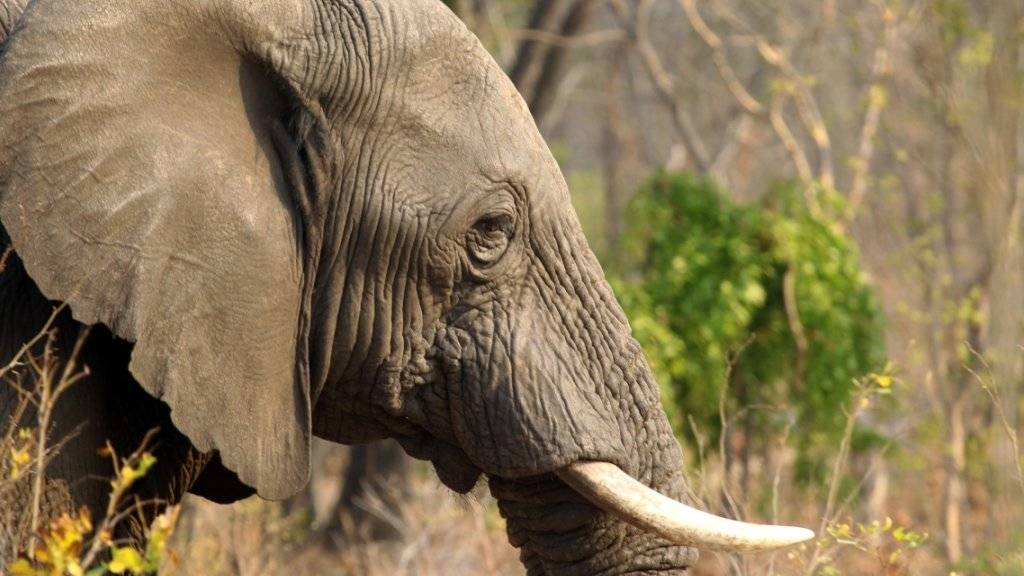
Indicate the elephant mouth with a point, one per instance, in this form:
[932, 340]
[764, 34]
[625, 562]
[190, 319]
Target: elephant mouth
[591, 517]
[611, 489]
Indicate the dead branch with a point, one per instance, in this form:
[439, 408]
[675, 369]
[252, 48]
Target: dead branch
[51, 388]
[806, 106]
[880, 70]
[721, 61]
[549, 38]
[637, 26]
[776, 116]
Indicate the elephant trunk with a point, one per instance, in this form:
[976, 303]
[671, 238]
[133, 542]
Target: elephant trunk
[592, 365]
[614, 506]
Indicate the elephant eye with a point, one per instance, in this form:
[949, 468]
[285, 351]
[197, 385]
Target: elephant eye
[489, 238]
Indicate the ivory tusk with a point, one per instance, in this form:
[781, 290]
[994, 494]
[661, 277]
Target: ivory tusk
[608, 487]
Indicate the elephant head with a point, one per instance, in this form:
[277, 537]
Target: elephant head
[337, 217]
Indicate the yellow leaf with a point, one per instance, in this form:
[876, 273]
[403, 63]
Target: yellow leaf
[146, 462]
[22, 568]
[75, 569]
[20, 457]
[84, 519]
[125, 559]
[41, 555]
[129, 473]
[878, 96]
[820, 134]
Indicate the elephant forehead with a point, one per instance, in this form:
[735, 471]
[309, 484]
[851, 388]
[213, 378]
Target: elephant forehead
[455, 95]
[473, 134]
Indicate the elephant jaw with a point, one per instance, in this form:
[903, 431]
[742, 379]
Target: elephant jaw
[611, 489]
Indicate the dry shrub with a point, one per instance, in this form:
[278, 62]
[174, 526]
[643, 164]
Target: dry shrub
[41, 531]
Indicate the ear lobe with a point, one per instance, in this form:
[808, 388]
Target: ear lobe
[138, 183]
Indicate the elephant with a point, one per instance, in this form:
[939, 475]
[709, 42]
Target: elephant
[278, 219]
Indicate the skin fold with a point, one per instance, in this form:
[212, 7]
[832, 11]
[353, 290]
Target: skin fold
[321, 217]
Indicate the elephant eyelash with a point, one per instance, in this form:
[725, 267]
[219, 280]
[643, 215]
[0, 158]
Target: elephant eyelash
[489, 238]
[494, 224]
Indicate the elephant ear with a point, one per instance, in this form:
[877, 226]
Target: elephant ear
[139, 184]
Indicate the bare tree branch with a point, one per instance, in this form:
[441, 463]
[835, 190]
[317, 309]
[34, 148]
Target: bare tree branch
[806, 106]
[796, 153]
[596, 38]
[725, 70]
[880, 70]
[665, 86]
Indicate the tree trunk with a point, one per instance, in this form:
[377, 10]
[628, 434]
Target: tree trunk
[876, 503]
[1006, 330]
[546, 88]
[530, 56]
[376, 485]
[612, 160]
[956, 462]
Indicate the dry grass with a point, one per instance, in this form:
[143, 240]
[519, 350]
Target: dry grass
[441, 534]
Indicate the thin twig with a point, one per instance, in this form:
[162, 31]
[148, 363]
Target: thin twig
[721, 61]
[50, 394]
[859, 401]
[807, 108]
[992, 391]
[724, 425]
[776, 479]
[112, 513]
[778, 122]
[701, 459]
[589, 39]
[796, 326]
[45, 412]
[4, 257]
[43, 332]
[880, 71]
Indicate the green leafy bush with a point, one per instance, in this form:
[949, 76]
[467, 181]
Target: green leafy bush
[707, 296]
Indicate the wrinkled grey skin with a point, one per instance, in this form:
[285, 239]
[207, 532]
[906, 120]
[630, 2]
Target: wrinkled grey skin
[9, 12]
[330, 217]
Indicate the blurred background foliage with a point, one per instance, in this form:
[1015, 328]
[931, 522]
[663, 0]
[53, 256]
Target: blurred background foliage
[761, 305]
